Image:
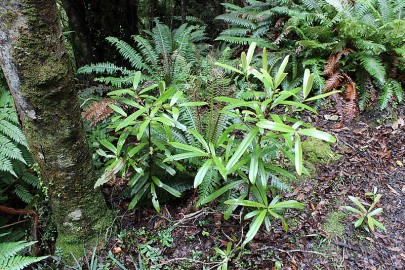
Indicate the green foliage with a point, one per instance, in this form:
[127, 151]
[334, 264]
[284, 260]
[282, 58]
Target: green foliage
[162, 55]
[15, 176]
[142, 143]
[10, 258]
[250, 161]
[93, 264]
[225, 255]
[231, 146]
[354, 41]
[366, 214]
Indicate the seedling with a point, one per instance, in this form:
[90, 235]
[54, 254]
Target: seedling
[366, 214]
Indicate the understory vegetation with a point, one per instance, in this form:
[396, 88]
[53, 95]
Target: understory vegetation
[220, 123]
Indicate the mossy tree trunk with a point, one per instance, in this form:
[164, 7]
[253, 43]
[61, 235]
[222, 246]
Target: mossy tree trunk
[35, 63]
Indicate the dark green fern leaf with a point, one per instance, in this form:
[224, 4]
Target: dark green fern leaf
[386, 96]
[373, 66]
[128, 53]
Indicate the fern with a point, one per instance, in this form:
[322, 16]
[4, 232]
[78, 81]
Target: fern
[103, 68]
[160, 54]
[9, 258]
[128, 53]
[14, 154]
[372, 30]
[373, 66]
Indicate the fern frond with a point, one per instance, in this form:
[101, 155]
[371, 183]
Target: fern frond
[235, 32]
[128, 53]
[386, 10]
[368, 45]
[6, 165]
[18, 262]
[333, 82]
[373, 66]
[9, 150]
[386, 96]
[400, 51]
[12, 248]
[117, 82]
[235, 20]
[396, 89]
[103, 68]
[13, 132]
[246, 40]
[23, 194]
[162, 38]
[148, 53]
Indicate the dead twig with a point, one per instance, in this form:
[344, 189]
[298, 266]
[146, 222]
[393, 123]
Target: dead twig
[293, 250]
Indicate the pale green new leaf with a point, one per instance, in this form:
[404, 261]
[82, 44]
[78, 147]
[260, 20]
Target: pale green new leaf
[275, 126]
[298, 155]
[225, 66]
[358, 203]
[317, 134]
[202, 172]
[245, 203]
[357, 211]
[130, 119]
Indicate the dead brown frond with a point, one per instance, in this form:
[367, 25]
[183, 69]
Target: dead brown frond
[333, 82]
[350, 108]
[330, 65]
[98, 111]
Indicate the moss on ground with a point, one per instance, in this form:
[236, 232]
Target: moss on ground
[335, 224]
[318, 152]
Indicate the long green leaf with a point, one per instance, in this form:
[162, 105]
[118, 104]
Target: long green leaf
[187, 147]
[254, 227]
[118, 110]
[275, 126]
[298, 155]
[245, 203]
[202, 172]
[171, 190]
[242, 148]
[185, 156]
[225, 66]
[200, 139]
[317, 134]
[221, 191]
[129, 120]
[138, 196]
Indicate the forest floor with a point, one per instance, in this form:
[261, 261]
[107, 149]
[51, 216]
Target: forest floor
[322, 236]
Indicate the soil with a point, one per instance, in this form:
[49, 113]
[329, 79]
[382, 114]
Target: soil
[322, 236]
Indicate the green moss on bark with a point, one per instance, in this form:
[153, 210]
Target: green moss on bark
[51, 120]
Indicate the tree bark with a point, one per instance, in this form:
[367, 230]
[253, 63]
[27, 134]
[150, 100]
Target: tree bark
[36, 66]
